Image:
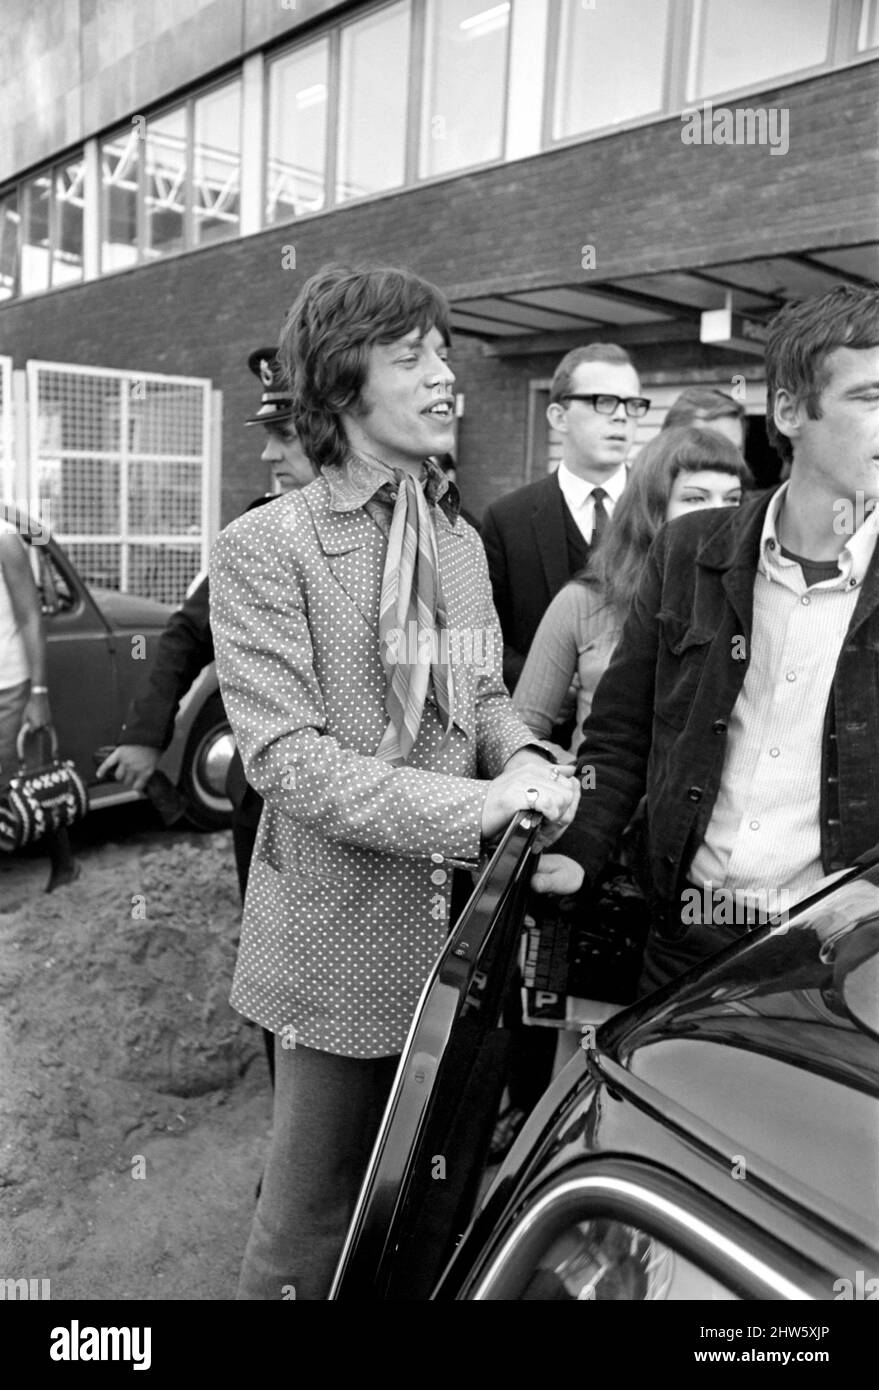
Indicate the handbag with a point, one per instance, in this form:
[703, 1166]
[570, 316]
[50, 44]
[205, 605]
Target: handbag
[39, 800]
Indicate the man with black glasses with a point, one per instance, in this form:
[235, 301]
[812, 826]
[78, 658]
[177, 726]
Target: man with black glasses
[536, 538]
[540, 535]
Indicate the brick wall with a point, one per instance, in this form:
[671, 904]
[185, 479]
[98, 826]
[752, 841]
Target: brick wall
[646, 201]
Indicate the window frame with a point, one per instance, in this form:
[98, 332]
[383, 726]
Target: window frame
[18, 187]
[348, 22]
[416, 95]
[549, 141]
[769, 83]
[190, 245]
[719, 1241]
[273, 59]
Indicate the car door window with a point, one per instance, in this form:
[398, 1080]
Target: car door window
[55, 592]
[620, 1230]
[604, 1259]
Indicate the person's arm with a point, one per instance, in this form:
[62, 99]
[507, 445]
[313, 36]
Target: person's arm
[612, 759]
[265, 662]
[184, 649]
[25, 599]
[551, 664]
[495, 554]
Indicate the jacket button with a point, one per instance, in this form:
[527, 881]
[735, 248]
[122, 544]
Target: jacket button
[719, 726]
[438, 877]
[436, 858]
[694, 793]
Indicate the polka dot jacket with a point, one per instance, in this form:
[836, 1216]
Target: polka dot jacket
[348, 898]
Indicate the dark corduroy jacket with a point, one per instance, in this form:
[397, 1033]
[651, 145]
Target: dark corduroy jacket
[661, 712]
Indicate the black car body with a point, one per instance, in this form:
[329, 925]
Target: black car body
[718, 1140]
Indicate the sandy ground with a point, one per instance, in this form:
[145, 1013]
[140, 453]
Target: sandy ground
[134, 1102]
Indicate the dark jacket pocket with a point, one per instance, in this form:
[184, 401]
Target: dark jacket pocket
[680, 661]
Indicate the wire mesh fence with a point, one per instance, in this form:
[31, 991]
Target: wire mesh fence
[120, 462]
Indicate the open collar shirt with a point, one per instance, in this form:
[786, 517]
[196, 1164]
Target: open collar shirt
[764, 832]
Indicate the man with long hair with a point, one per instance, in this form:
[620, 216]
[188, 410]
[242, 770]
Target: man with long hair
[743, 696]
[360, 664]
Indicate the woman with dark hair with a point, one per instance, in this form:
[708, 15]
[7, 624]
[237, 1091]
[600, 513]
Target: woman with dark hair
[678, 471]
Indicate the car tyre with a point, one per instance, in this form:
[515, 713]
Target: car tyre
[205, 763]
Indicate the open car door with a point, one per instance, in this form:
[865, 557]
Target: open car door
[426, 1167]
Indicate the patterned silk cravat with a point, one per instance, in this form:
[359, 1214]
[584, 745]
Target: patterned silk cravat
[413, 623]
[600, 518]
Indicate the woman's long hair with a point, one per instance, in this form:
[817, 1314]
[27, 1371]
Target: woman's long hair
[618, 563]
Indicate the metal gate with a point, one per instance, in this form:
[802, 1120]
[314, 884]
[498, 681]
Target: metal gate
[118, 466]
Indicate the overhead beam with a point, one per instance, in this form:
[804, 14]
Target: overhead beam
[672, 332]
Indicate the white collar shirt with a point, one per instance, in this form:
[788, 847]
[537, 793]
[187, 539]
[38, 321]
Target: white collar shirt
[764, 833]
[577, 493]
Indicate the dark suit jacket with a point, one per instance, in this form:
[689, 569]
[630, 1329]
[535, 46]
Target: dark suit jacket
[526, 544]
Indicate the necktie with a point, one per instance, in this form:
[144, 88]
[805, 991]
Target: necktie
[413, 624]
[600, 519]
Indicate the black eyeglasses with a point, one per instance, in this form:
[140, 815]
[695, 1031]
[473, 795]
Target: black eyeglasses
[636, 406]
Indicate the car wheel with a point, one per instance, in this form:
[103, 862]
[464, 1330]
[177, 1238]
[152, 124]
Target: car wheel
[206, 762]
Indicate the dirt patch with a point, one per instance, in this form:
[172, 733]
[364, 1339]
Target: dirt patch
[134, 1102]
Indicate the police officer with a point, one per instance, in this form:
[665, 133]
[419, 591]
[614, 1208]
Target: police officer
[186, 645]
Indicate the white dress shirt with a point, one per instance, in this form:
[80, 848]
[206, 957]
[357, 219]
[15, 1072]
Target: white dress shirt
[764, 832]
[577, 493]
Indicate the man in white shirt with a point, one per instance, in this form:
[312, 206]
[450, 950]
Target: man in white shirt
[537, 537]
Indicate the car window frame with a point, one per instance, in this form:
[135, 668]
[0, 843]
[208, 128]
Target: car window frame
[726, 1246]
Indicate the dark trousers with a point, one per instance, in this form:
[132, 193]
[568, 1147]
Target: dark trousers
[327, 1113]
[244, 830]
[673, 948]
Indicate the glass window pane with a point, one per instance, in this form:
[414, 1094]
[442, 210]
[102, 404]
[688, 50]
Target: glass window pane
[297, 133]
[9, 228]
[373, 85]
[525, 85]
[868, 37]
[35, 235]
[464, 84]
[611, 61]
[165, 183]
[742, 43]
[67, 250]
[216, 173]
[607, 1260]
[120, 162]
